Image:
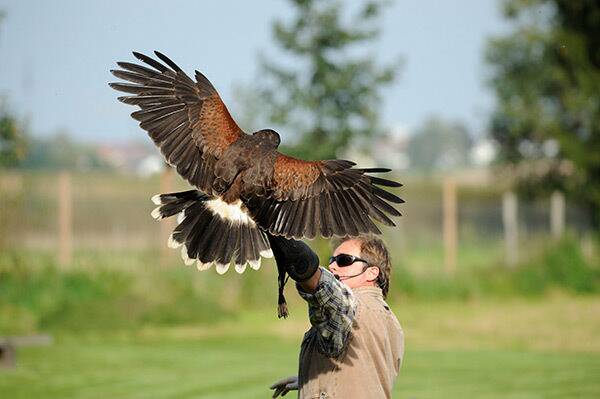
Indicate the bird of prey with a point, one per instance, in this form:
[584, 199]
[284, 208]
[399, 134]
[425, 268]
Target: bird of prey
[244, 188]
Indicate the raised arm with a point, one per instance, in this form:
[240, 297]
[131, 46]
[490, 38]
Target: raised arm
[332, 305]
[331, 309]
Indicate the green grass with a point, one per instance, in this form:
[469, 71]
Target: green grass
[234, 366]
[226, 367]
[512, 348]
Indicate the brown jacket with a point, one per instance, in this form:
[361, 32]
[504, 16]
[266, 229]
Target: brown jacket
[370, 363]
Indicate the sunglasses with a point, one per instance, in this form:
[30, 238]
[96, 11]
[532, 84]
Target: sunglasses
[344, 260]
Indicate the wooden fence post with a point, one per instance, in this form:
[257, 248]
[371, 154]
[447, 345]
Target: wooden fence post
[509, 218]
[450, 225]
[557, 214]
[166, 225]
[65, 216]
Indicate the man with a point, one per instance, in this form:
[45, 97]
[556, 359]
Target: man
[355, 346]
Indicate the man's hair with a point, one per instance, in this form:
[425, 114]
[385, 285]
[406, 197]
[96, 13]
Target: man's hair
[374, 251]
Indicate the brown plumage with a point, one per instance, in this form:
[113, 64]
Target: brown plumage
[246, 187]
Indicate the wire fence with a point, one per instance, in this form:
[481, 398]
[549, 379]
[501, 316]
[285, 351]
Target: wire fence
[444, 224]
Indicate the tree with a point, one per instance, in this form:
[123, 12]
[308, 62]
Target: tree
[330, 94]
[439, 145]
[546, 77]
[13, 144]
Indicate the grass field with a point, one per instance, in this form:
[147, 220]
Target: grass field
[243, 367]
[544, 348]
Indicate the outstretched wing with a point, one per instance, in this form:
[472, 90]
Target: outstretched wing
[187, 120]
[327, 197]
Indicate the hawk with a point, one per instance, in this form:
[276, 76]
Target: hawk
[244, 187]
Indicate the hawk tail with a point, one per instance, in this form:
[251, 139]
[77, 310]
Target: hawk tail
[211, 231]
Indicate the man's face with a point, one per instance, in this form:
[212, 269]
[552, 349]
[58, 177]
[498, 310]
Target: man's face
[352, 247]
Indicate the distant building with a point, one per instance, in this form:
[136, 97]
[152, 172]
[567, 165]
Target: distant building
[390, 152]
[150, 165]
[387, 150]
[483, 152]
[132, 157]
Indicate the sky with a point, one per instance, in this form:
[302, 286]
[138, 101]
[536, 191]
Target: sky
[55, 57]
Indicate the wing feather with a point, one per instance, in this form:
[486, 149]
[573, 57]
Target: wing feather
[347, 219]
[326, 216]
[186, 119]
[307, 198]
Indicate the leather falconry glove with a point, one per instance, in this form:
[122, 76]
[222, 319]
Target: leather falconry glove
[294, 258]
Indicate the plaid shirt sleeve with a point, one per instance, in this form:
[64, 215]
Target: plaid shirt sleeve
[331, 310]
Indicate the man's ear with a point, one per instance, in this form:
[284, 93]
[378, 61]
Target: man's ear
[372, 273]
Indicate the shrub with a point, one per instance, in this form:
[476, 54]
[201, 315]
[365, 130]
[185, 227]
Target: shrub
[36, 295]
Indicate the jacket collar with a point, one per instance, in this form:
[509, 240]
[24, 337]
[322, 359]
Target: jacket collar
[368, 290]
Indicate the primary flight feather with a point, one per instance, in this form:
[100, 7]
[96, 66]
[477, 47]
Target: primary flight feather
[245, 187]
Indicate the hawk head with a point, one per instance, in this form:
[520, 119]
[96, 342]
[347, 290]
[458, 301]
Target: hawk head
[269, 136]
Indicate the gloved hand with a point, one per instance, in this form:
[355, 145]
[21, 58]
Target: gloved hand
[282, 387]
[298, 260]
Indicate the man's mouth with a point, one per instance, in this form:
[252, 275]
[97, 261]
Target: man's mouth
[346, 277]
